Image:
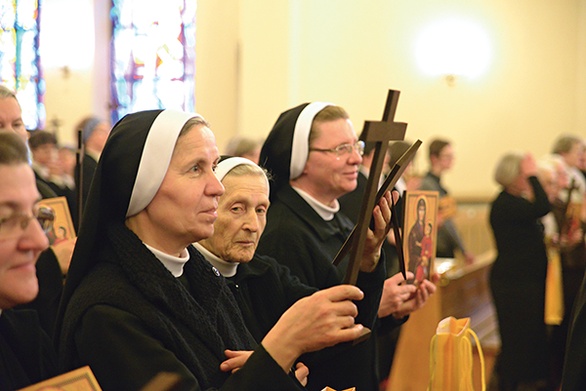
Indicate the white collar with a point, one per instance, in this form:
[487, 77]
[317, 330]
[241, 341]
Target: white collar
[227, 269]
[172, 263]
[326, 212]
[41, 170]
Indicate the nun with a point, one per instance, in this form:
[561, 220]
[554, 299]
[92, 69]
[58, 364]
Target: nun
[140, 300]
[264, 289]
[313, 155]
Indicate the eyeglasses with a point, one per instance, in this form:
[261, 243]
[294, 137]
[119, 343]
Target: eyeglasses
[344, 149]
[15, 224]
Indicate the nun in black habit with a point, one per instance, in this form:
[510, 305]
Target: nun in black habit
[305, 234]
[139, 299]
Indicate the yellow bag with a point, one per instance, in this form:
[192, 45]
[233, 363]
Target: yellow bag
[451, 360]
[554, 293]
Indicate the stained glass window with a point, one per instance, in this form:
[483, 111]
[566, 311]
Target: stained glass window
[153, 55]
[20, 68]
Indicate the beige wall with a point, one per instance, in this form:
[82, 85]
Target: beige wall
[216, 65]
[258, 58]
[352, 56]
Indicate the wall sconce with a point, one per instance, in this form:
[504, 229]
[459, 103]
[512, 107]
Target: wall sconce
[452, 48]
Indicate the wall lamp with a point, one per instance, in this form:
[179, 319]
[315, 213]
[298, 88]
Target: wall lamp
[452, 48]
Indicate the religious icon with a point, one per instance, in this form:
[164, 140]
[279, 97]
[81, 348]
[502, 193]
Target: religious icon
[61, 226]
[81, 379]
[419, 245]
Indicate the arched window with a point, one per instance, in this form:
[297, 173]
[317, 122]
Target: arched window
[153, 55]
[20, 68]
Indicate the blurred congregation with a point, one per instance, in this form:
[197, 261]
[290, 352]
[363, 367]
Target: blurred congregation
[213, 162]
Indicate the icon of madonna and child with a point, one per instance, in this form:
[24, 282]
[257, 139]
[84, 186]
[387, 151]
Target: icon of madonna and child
[420, 226]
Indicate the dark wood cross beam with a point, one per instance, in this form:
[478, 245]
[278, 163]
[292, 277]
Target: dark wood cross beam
[396, 171]
[380, 132]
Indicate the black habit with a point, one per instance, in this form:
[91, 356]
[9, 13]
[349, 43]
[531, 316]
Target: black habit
[27, 355]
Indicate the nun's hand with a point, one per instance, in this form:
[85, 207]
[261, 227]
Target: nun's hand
[396, 291]
[375, 238]
[323, 319]
[425, 289]
[301, 373]
[235, 360]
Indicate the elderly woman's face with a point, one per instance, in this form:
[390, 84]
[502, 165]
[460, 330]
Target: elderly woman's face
[185, 207]
[241, 218]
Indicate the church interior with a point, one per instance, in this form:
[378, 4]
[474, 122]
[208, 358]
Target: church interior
[490, 76]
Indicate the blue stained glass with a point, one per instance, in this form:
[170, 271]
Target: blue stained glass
[153, 55]
[20, 68]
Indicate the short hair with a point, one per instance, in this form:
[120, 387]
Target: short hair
[508, 168]
[436, 146]
[329, 113]
[13, 150]
[39, 138]
[565, 143]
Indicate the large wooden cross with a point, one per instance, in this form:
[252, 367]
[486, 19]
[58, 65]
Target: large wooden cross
[379, 132]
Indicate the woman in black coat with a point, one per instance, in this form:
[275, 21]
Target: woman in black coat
[517, 278]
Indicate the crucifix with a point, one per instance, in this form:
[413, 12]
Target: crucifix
[379, 132]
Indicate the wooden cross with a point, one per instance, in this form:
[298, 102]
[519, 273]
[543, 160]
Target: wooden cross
[380, 132]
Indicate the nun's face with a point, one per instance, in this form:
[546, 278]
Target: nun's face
[185, 207]
[242, 217]
[21, 236]
[330, 176]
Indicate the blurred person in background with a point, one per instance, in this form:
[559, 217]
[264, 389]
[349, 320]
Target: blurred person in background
[517, 277]
[441, 159]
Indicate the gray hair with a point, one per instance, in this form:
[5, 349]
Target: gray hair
[248, 169]
[565, 143]
[508, 168]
